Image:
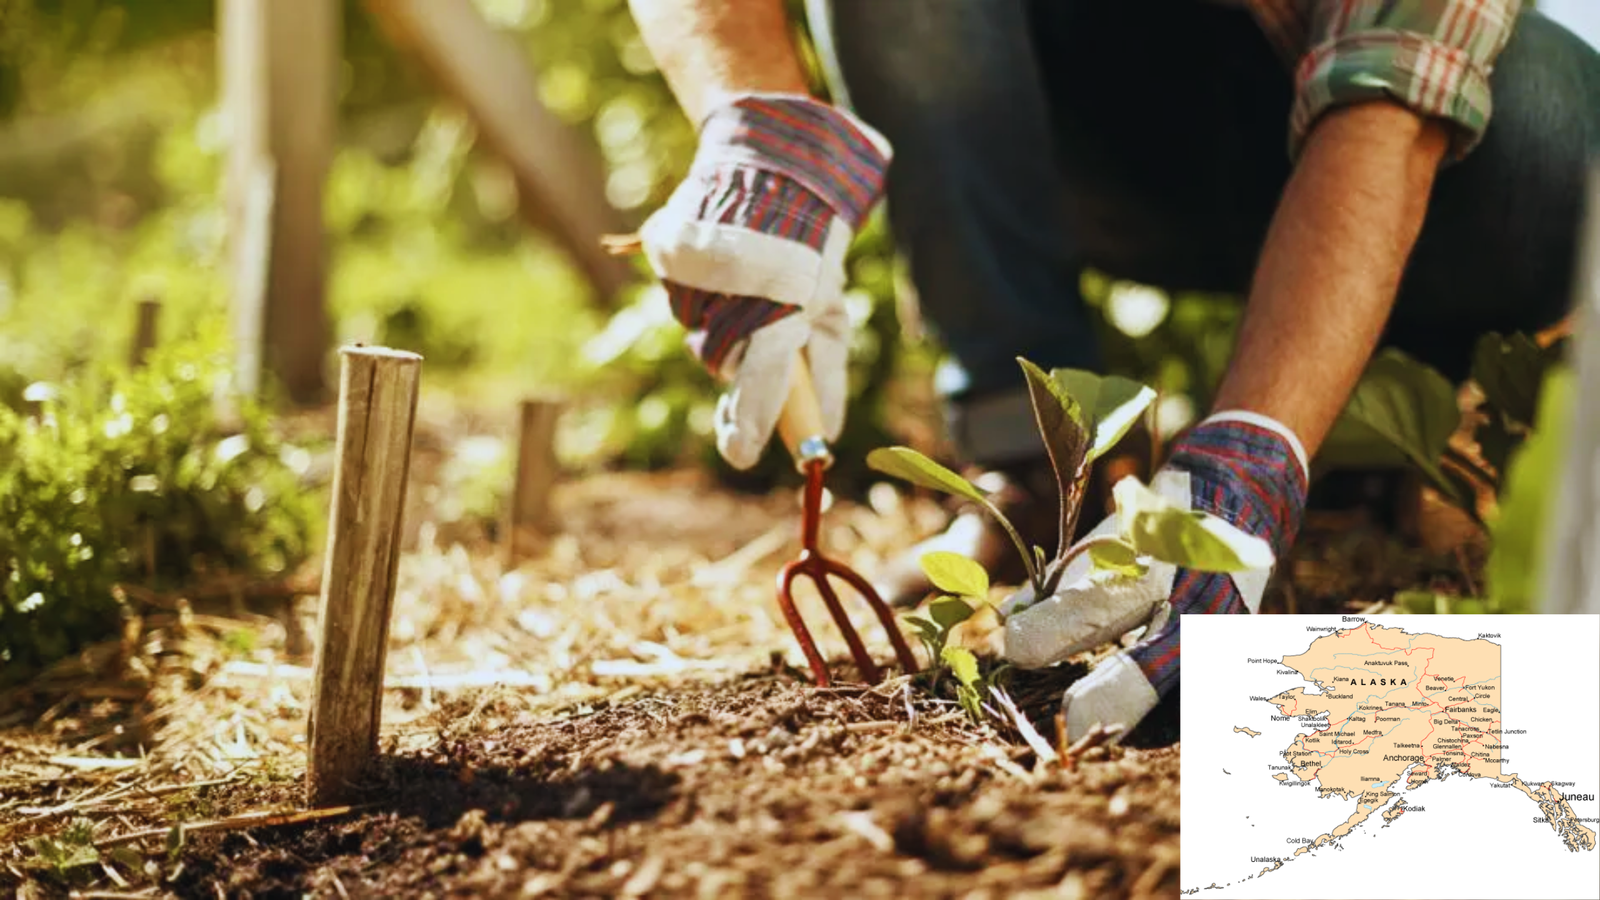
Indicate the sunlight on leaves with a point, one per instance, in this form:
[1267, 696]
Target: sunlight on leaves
[1111, 404]
[908, 464]
[1158, 528]
[1116, 556]
[963, 664]
[955, 574]
[1066, 440]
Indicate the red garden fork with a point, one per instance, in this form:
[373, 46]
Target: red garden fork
[800, 427]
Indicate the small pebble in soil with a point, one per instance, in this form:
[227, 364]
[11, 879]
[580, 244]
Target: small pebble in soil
[1119, 805]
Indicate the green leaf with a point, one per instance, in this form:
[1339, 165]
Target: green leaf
[908, 464]
[1406, 406]
[955, 574]
[1116, 556]
[962, 664]
[1511, 372]
[948, 612]
[1111, 404]
[927, 629]
[1158, 528]
[1519, 530]
[1066, 439]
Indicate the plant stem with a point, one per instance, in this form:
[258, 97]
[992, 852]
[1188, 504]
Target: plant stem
[1022, 547]
[1079, 549]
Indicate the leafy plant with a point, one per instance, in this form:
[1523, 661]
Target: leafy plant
[67, 852]
[963, 586]
[1402, 413]
[969, 683]
[1081, 416]
[1512, 373]
[132, 477]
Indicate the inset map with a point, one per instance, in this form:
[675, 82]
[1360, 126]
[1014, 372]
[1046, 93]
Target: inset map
[1311, 738]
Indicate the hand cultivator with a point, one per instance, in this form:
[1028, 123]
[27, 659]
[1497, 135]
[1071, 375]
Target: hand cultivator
[800, 427]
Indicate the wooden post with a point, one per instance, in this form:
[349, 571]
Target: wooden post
[377, 410]
[280, 63]
[537, 470]
[144, 332]
[559, 176]
[1570, 580]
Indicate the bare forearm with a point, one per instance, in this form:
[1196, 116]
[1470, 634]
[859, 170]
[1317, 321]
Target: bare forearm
[1331, 266]
[710, 49]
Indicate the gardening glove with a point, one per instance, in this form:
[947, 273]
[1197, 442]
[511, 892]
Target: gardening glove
[1244, 468]
[751, 247]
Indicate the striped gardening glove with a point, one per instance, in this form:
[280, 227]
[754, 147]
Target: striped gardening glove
[1241, 467]
[751, 248]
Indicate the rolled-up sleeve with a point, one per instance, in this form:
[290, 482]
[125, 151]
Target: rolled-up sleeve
[1432, 56]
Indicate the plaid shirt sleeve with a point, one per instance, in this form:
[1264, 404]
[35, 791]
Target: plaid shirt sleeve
[1433, 56]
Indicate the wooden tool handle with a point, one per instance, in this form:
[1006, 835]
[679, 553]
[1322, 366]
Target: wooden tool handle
[801, 418]
[621, 244]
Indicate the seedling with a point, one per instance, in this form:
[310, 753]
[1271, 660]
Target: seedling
[1081, 416]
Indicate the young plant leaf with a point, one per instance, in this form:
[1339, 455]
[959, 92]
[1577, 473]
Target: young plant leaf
[927, 629]
[1407, 408]
[1066, 439]
[908, 464]
[1111, 404]
[1158, 528]
[1116, 556]
[962, 664]
[955, 574]
[948, 612]
[903, 462]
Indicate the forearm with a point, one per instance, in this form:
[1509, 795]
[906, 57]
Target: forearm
[710, 49]
[1331, 265]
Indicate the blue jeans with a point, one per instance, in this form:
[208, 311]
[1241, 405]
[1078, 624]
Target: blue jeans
[1033, 139]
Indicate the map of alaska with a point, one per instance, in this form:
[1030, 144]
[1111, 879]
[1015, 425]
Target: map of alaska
[1396, 706]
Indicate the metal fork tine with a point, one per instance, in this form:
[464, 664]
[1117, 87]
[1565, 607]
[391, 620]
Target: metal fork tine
[808, 646]
[902, 650]
[858, 650]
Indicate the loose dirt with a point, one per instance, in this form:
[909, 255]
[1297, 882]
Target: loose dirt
[619, 714]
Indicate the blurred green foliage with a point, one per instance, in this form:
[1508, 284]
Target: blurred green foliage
[131, 477]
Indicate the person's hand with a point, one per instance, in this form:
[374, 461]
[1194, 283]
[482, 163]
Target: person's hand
[1246, 469]
[751, 248]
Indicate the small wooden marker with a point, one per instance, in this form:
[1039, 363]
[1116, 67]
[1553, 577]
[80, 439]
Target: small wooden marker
[377, 412]
[144, 332]
[537, 470]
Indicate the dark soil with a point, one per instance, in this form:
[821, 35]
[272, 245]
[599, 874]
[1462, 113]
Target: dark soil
[762, 786]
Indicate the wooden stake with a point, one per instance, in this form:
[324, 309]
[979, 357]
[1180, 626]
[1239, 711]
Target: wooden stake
[537, 470]
[377, 411]
[279, 67]
[144, 332]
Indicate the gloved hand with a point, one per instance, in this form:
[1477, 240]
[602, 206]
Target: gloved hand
[1242, 467]
[751, 248]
